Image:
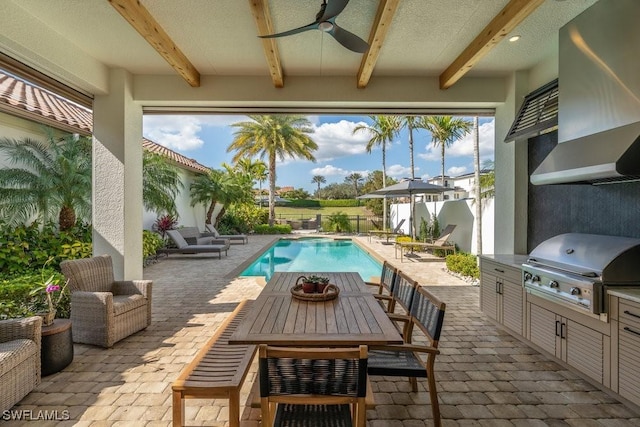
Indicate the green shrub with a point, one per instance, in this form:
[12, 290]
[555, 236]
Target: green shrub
[407, 239]
[338, 222]
[338, 203]
[17, 297]
[151, 242]
[242, 219]
[464, 264]
[272, 229]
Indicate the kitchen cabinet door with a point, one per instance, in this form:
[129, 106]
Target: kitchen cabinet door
[544, 329]
[629, 351]
[560, 332]
[502, 294]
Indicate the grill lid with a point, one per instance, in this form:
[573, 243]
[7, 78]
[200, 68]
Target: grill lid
[612, 259]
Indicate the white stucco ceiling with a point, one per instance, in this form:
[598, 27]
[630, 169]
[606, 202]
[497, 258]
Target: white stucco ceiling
[219, 37]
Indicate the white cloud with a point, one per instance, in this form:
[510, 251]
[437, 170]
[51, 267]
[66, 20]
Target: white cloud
[337, 140]
[464, 146]
[176, 132]
[180, 132]
[329, 170]
[456, 170]
[399, 171]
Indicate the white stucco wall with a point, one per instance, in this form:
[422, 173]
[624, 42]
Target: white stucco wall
[458, 212]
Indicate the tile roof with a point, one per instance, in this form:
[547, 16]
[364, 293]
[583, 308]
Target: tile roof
[25, 100]
[179, 159]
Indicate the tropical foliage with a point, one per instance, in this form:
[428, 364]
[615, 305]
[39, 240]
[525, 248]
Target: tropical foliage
[160, 184]
[381, 132]
[318, 179]
[445, 130]
[274, 137]
[48, 180]
[354, 179]
[338, 222]
[374, 181]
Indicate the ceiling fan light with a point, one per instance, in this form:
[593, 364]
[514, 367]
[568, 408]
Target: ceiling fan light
[325, 26]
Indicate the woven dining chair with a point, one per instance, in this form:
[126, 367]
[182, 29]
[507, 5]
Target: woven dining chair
[313, 387]
[408, 359]
[385, 284]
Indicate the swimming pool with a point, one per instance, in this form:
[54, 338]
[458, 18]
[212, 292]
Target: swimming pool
[314, 255]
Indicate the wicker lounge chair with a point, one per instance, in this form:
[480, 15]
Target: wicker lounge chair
[19, 359]
[103, 310]
[233, 237]
[214, 246]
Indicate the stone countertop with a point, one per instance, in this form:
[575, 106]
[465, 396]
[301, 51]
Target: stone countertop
[514, 260]
[632, 294]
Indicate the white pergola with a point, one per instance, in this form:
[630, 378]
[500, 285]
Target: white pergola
[126, 58]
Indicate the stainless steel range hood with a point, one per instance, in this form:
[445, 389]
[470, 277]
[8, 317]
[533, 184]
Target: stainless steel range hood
[609, 156]
[599, 98]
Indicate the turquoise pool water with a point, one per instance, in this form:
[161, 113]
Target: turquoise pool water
[314, 255]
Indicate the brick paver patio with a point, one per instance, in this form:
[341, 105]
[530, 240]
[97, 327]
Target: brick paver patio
[485, 376]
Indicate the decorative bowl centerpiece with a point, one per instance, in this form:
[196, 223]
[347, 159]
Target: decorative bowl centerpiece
[314, 288]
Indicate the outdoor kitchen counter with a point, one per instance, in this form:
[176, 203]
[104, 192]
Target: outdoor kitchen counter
[631, 294]
[514, 260]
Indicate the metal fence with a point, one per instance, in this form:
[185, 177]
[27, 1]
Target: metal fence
[357, 223]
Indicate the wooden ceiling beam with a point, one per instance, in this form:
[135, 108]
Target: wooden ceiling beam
[502, 24]
[381, 24]
[145, 24]
[260, 11]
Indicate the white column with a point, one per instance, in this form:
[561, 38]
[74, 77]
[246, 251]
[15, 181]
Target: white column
[117, 177]
[511, 174]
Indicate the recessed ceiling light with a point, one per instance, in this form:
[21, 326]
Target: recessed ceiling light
[514, 38]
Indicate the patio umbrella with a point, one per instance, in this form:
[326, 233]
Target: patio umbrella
[407, 188]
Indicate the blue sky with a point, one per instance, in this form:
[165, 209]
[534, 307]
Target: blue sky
[205, 138]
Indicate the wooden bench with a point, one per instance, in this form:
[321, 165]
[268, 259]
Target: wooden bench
[217, 371]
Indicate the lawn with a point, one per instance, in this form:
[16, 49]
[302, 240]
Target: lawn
[289, 212]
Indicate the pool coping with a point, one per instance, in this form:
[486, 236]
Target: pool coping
[244, 265]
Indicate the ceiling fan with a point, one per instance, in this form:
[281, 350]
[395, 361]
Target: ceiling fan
[326, 22]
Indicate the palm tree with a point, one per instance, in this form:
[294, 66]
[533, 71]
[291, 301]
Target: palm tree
[382, 131]
[318, 179]
[160, 184]
[274, 137]
[478, 193]
[488, 180]
[208, 190]
[354, 178]
[255, 169]
[445, 130]
[52, 177]
[411, 123]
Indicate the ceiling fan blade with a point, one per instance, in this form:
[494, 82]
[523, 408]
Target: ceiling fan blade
[333, 9]
[348, 39]
[312, 26]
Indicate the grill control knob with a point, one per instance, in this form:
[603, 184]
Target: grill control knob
[535, 278]
[527, 276]
[574, 291]
[553, 284]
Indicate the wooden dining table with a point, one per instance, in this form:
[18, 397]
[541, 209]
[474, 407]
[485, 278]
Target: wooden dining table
[354, 317]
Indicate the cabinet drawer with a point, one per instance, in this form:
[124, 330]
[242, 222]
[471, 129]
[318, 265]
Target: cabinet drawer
[628, 362]
[629, 313]
[501, 270]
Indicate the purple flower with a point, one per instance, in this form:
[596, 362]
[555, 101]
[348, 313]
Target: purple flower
[52, 288]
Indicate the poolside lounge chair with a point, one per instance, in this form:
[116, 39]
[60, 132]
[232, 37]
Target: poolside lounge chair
[214, 246]
[442, 243]
[233, 237]
[395, 232]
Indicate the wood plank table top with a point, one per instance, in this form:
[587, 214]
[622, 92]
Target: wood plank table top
[353, 318]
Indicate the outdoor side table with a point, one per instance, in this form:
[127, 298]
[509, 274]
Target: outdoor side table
[56, 352]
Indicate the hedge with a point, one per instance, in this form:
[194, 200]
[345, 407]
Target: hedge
[308, 203]
[273, 229]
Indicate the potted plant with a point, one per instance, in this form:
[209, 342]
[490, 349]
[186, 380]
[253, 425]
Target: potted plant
[313, 283]
[49, 287]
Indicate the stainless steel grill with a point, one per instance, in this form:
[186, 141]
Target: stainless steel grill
[575, 269]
